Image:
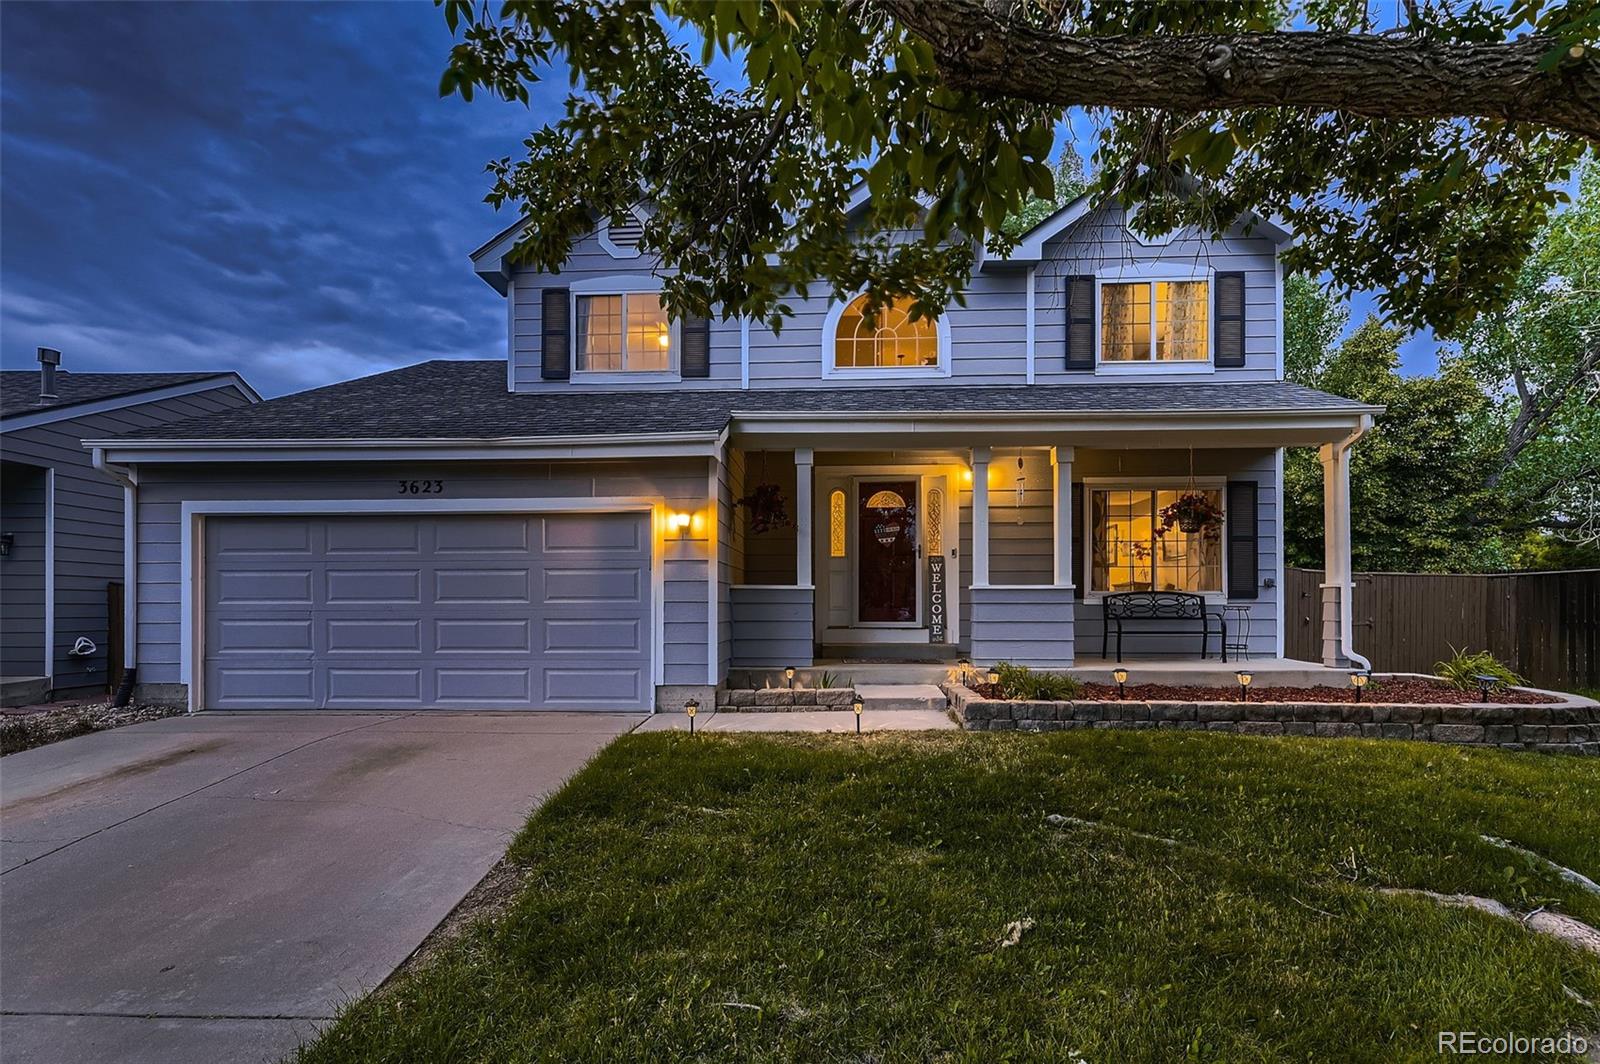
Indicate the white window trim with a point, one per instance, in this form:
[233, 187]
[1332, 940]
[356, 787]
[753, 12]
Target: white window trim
[1175, 482]
[830, 330]
[621, 286]
[1150, 273]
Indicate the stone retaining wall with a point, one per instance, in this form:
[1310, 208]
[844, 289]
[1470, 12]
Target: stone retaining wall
[784, 699]
[1571, 727]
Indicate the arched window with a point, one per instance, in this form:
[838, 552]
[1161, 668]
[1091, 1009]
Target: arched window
[893, 341]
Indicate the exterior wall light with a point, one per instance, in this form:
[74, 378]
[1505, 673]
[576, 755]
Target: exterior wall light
[1359, 680]
[680, 523]
[1485, 685]
[6, 540]
[691, 707]
[1121, 676]
[1244, 679]
[858, 705]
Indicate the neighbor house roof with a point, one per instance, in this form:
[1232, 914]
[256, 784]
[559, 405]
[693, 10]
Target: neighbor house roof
[19, 389]
[462, 400]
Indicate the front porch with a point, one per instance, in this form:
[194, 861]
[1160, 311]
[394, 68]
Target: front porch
[918, 553]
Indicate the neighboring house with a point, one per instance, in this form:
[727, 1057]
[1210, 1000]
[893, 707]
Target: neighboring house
[61, 519]
[564, 528]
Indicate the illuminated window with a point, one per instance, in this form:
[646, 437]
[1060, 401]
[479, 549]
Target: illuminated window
[836, 525]
[1159, 321]
[892, 341]
[886, 500]
[626, 332]
[935, 532]
[1127, 555]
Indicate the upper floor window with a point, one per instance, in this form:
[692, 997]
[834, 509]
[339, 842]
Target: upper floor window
[892, 342]
[624, 332]
[1154, 321]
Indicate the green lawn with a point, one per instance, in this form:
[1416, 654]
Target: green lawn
[856, 891]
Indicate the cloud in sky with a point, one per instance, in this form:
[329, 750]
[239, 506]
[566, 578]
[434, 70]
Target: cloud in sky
[271, 188]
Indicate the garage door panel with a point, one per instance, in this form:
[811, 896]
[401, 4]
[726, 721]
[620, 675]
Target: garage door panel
[594, 533]
[261, 537]
[368, 636]
[483, 636]
[359, 687]
[400, 612]
[251, 635]
[482, 535]
[484, 685]
[243, 587]
[581, 686]
[377, 536]
[575, 586]
[591, 636]
[481, 586]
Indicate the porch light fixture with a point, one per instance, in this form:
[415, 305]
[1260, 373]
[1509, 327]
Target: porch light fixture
[858, 705]
[788, 675]
[691, 707]
[1485, 685]
[1359, 680]
[1121, 676]
[1244, 679]
[680, 522]
[6, 540]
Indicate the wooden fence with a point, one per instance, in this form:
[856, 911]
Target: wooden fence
[1544, 625]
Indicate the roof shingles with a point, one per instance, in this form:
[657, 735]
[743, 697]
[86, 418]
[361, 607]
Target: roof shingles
[468, 400]
[19, 388]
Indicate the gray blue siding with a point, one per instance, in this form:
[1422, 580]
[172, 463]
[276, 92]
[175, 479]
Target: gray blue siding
[88, 534]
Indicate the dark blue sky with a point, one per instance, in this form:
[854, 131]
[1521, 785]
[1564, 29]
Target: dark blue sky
[274, 188]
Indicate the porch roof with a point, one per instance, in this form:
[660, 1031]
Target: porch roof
[445, 403]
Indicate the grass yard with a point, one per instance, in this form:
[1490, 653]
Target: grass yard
[825, 898]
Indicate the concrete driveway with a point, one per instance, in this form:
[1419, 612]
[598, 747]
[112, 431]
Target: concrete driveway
[207, 888]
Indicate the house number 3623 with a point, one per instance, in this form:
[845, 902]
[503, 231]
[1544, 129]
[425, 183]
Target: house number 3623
[421, 487]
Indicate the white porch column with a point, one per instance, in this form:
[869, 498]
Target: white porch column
[1061, 490]
[802, 518]
[980, 516]
[1336, 586]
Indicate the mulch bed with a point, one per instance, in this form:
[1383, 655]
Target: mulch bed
[1407, 690]
[31, 726]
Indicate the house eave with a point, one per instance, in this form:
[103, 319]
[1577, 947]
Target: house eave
[657, 445]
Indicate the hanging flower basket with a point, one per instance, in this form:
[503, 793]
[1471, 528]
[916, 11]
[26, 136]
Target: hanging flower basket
[767, 507]
[1192, 512]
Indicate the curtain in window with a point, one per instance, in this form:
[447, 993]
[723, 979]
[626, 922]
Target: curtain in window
[1184, 336]
[598, 327]
[1120, 313]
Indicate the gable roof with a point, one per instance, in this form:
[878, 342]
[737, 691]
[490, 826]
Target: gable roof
[19, 390]
[467, 401]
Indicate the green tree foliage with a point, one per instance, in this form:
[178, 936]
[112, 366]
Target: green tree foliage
[1417, 497]
[1417, 160]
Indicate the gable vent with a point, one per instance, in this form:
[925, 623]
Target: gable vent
[628, 234]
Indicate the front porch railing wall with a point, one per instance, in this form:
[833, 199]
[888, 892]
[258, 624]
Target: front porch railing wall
[1025, 625]
[772, 625]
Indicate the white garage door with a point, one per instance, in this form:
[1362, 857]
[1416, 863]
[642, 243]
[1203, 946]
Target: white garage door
[492, 611]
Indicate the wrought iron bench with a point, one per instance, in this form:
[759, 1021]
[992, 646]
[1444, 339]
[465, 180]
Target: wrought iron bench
[1124, 606]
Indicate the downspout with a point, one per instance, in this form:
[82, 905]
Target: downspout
[130, 573]
[1348, 584]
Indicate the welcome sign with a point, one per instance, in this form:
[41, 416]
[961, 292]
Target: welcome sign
[936, 598]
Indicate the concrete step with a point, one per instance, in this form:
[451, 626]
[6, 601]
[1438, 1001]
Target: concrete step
[901, 696]
[843, 674]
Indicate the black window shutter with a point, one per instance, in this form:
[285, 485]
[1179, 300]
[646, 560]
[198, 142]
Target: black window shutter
[1080, 322]
[555, 335]
[1244, 565]
[1229, 320]
[696, 360]
[1076, 570]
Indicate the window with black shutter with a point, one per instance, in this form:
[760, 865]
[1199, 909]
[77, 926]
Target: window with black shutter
[555, 334]
[1080, 323]
[1229, 318]
[1244, 565]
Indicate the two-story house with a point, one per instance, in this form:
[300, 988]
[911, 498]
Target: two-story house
[626, 507]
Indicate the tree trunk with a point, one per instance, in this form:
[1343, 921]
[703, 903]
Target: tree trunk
[1389, 76]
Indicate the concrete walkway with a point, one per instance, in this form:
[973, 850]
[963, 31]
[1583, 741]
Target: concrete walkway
[208, 888]
[821, 721]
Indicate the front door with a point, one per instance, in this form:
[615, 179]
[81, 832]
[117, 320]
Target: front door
[887, 570]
